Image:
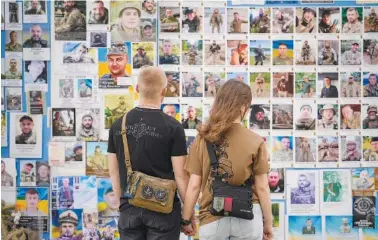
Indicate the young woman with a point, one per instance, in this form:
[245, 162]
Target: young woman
[241, 153]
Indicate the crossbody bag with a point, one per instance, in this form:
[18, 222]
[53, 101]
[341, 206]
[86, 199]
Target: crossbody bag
[229, 200]
[144, 191]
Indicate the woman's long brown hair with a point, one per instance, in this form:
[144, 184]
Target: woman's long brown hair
[227, 107]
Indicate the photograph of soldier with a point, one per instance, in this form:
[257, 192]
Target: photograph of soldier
[363, 179]
[169, 51]
[13, 97]
[172, 110]
[125, 21]
[214, 20]
[84, 88]
[282, 149]
[305, 20]
[14, 14]
[143, 55]
[350, 52]
[65, 193]
[305, 52]
[98, 13]
[78, 53]
[192, 84]
[173, 84]
[98, 39]
[68, 223]
[351, 148]
[327, 84]
[36, 37]
[191, 116]
[283, 52]
[345, 227]
[192, 19]
[215, 52]
[27, 173]
[308, 229]
[237, 20]
[149, 9]
[239, 76]
[259, 117]
[259, 20]
[333, 186]
[148, 30]
[8, 173]
[260, 52]
[283, 20]
[15, 38]
[350, 84]
[305, 149]
[304, 194]
[350, 116]
[70, 20]
[370, 51]
[73, 152]
[328, 117]
[237, 52]
[116, 105]
[282, 116]
[260, 84]
[369, 116]
[43, 174]
[97, 159]
[35, 72]
[36, 102]
[63, 122]
[370, 147]
[35, 7]
[169, 19]
[371, 19]
[33, 197]
[88, 130]
[112, 208]
[328, 52]
[329, 20]
[213, 81]
[351, 20]
[276, 180]
[370, 85]
[13, 69]
[192, 52]
[66, 88]
[305, 116]
[283, 84]
[305, 85]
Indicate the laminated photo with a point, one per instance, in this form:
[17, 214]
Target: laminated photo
[328, 83]
[282, 149]
[98, 13]
[237, 20]
[260, 84]
[213, 82]
[35, 11]
[36, 41]
[74, 155]
[370, 84]
[283, 84]
[13, 98]
[63, 122]
[4, 130]
[328, 52]
[107, 203]
[13, 15]
[70, 20]
[371, 19]
[370, 148]
[363, 179]
[192, 84]
[28, 173]
[364, 212]
[329, 20]
[305, 227]
[328, 149]
[98, 39]
[192, 53]
[283, 52]
[276, 181]
[97, 159]
[191, 115]
[305, 85]
[84, 88]
[260, 117]
[350, 52]
[192, 18]
[215, 52]
[66, 223]
[369, 116]
[305, 52]
[116, 105]
[74, 52]
[90, 221]
[282, 116]
[13, 45]
[173, 84]
[88, 124]
[351, 148]
[350, 83]
[340, 228]
[260, 53]
[169, 52]
[305, 116]
[283, 20]
[172, 110]
[305, 149]
[125, 21]
[148, 29]
[214, 20]
[352, 20]
[149, 9]
[36, 102]
[8, 173]
[43, 174]
[328, 117]
[169, 19]
[259, 20]
[35, 72]
[66, 88]
[350, 116]
[237, 53]
[143, 55]
[12, 73]
[306, 21]
[370, 52]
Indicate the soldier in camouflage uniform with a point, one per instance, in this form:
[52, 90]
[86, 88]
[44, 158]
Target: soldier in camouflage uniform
[371, 89]
[307, 23]
[13, 45]
[27, 135]
[306, 51]
[97, 160]
[116, 67]
[192, 54]
[326, 25]
[371, 121]
[283, 23]
[285, 154]
[73, 20]
[373, 20]
[351, 153]
[128, 26]
[6, 178]
[36, 40]
[35, 8]
[350, 118]
[13, 73]
[282, 58]
[141, 59]
[216, 21]
[352, 57]
[372, 51]
[261, 23]
[305, 120]
[372, 153]
[148, 9]
[192, 22]
[327, 55]
[258, 120]
[259, 84]
[328, 121]
[87, 131]
[27, 176]
[99, 14]
[173, 23]
[168, 57]
[147, 32]
[118, 111]
[236, 24]
[351, 89]
[353, 25]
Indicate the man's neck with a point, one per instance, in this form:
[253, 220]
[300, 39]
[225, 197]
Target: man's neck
[13, 69]
[327, 86]
[143, 103]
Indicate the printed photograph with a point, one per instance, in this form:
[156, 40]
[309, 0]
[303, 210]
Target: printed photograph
[328, 117]
[116, 105]
[192, 19]
[336, 186]
[73, 152]
[66, 88]
[13, 69]
[98, 39]
[213, 81]
[74, 52]
[63, 122]
[84, 87]
[191, 116]
[214, 20]
[259, 118]
[276, 180]
[371, 19]
[13, 98]
[370, 84]
[169, 19]
[192, 53]
[282, 116]
[328, 52]
[97, 159]
[363, 179]
[370, 148]
[192, 84]
[350, 116]
[305, 149]
[328, 149]
[36, 102]
[143, 55]
[260, 84]
[283, 20]
[66, 224]
[283, 52]
[215, 52]
[259, 20]
[370, 51]
[148, 29]
[328, 83]
[302, 227]
[283, 84]
[369, 116]
[43, 174]
[237, 53]
[305, 21]
[351, 148]
[13, 41]
[304, 192]
[169, 52]
[33, 202]
[305, 115]
[149, 9]
[13, 12]
[282, 149]
[173, 84]
[8, 173]
[305, 52]
[172, 110]
[35, 11]
[237, 20]
[305, 85]
[98, 12]
[350, 52]
[352, 20]
[329, 20]
[350, 84]
[35, 72]
[107, 202]
[88, 124]
[27, 172]
[70, 20]
[260, 53]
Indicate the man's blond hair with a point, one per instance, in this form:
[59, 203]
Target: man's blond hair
[151, 82]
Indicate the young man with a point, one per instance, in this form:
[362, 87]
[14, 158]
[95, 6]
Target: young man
[158, 151]
[27, 135]
[32, 199]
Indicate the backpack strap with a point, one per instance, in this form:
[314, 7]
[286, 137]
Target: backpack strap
[126, 147]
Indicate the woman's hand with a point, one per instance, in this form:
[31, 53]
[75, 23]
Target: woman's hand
[268, 232]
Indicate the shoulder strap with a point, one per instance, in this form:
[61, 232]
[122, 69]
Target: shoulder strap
[210, 150]
[126, 146]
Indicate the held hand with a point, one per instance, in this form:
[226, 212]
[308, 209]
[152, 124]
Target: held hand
[188, 230]
[268, 232]
[194, 225]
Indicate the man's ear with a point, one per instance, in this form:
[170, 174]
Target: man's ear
[137, 88]
[163, 92]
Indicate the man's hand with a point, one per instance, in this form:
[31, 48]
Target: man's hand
[268, 232]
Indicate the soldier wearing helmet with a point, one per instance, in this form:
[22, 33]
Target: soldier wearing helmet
[351, 153]
[127, 27]
[371, 121]
[329, 118]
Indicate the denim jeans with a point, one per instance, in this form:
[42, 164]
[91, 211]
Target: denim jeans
[231, 228]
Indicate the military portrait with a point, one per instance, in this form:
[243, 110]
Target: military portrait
[350, 84]
[191, 115]
[43, 174]
[239, 76]
[172, 110]
[370, 148]
[36, 102]
[98, 39]
[116, 105]
[260, 117]
[148, 26]
[107, 207]
[192, 84]
[173, 84]
[328, 52]
[283, 84]
[8, 173]
[328, 83]
[283, 52]
[84, 87]
[259, 20]
[34, 203]
[306, 21]
[363, 179]
[351, 148]
[192, 53]
[370, 52]
[260, 53]
[36, 36]
[282, 116]
[67, 224]
[35, 7]
[13, 17]
[305, 85]
[283, 20]
[35, 72]
[336, 185]
[114, 66]
[237, 53]
[27, 173]
[370, 84]
[352, 20]
[169, 52]
[13, 41]
[213, 81]
[70, 20]
[260, 84]
[192, 20]
[169, 19]
[98, 12]
[282, 149]
[215, 52]
[88, 124]
[13, 69]
[371, 19]
[13, 98]
[329, 20]
[237, 20]
[369, 116]
[149, 8]
[328, 117]
[304, 193]
[143, 55]
[97, 159]
[305, 52]
[276, 180]
[125, 21]
[305, 149]
[350, 116]
[305, 116]
[214, 20]
[74, 52]
[63, 122]
[350, 52]
[73, 152]
[66, 88]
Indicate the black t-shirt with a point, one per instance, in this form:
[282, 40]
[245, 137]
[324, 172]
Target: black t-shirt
[153, 138]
